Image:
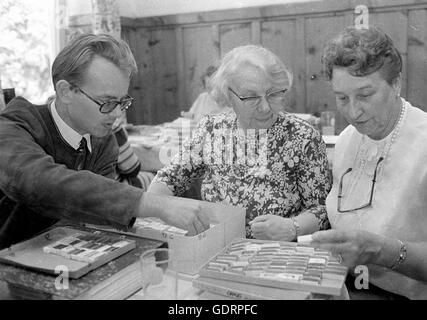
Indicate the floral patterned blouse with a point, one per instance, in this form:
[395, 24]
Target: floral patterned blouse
[281, 171]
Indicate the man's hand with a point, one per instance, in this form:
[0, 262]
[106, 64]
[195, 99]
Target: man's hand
[272, 227]
[354, 247]
[185, 214]
[179, 212]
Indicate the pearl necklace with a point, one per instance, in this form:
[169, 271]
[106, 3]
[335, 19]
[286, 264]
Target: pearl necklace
[368, 154]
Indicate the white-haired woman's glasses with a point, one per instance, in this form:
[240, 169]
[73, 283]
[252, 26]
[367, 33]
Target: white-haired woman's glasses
[273, 98]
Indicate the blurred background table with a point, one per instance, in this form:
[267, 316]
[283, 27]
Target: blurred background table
[186, 291]
[156, 145]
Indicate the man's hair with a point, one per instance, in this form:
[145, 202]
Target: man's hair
[363, 52]
[75, 58]
[240, 57]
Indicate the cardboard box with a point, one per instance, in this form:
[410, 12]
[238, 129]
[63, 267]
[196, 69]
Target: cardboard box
[191, 253]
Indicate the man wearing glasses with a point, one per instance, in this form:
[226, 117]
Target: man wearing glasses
[57, 161]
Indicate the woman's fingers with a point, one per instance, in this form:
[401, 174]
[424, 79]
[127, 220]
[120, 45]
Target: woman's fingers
[191, 230]
[259, 235]
[198, 226]
[203, 218]
[260, 218]
[330, 236]
[335, 248]
[258, 227]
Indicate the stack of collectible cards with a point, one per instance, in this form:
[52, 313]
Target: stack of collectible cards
[88, 247]
[158, 225]
[285, 265]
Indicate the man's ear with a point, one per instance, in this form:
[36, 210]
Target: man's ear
[64, 91]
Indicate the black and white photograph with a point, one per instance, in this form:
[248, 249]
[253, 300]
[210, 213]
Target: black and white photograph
[213, 154]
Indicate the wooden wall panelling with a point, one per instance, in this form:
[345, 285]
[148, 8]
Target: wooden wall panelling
[319, 95]
[163, 47]
[180, 69]
[216, 40]
[417, 58]
[147, 76]
[140, 88]
[272, 11]
[300, 71]
[279, 37]
[199, 53]
[233, 35]
[395, 24]
[340, 122]
[312, 25]
[256, 32]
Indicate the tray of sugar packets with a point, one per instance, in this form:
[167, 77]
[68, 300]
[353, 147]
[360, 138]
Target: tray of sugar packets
[286, 265]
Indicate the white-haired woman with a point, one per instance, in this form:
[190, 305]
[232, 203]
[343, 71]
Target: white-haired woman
[255, 156]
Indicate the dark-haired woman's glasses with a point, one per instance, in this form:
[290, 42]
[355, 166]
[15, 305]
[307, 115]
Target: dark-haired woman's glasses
[274, 97]
[110, 105]
[369, 204]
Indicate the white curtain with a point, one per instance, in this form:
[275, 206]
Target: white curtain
[103, 17]
[106, 17]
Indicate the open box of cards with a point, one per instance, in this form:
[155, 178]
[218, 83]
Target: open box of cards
[285, 265]
[189, 253]
[79, 251]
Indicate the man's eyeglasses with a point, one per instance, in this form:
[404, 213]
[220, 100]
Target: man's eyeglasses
[274, 97]
[370, 197]
[110, 105]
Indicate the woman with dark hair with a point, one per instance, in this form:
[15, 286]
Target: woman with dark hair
[377, 207]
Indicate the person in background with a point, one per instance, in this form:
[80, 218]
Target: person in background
[205, 104]
[128, 163]
[255, 156]
[2, 102]
[58, 161]
[377, 207]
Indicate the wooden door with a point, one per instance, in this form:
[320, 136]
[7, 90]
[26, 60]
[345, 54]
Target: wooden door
[280, 36]
[319, 95]
[201, 50]
[416, 65]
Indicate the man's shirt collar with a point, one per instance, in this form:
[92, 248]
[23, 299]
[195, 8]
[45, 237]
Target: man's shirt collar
[71, 136]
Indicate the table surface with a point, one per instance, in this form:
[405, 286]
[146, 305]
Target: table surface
[185, 291]
[165, 290]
